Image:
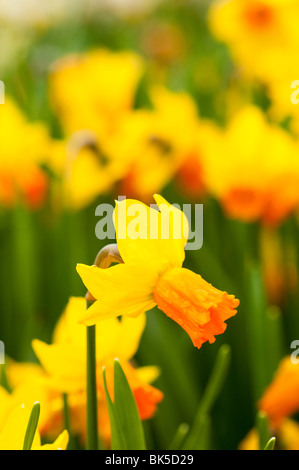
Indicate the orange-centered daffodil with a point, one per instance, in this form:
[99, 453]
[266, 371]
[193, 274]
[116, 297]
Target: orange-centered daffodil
[151, 245]
[64, 362]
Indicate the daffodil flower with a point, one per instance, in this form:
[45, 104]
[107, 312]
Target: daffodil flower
[64, 362]
[280, 399]
[21, 177]
[287, 436]
[13, 432]
[152, 274]
[260, 180]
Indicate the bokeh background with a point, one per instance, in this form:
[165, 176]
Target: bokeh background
[244, 171]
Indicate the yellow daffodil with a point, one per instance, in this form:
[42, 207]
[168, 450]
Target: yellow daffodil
[85, 168]
[29, 383]
[263, 39]
[12, 432]
[23, 146]
[287, 436]
[253, 170]
[64, 361]
[152, 274]
[191, 177]
[91, 91]
[258, 32]
[279, 402]
[154, 142]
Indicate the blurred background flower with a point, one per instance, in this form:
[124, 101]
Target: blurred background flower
[191, 100]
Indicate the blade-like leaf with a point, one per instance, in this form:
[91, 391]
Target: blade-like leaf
[127, 411]
[201, 426]
[117, 438]
[179, 437]
[32, 426]
[270, 444]
[126, 427]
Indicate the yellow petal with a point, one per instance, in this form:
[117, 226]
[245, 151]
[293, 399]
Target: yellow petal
[6, 404]
[148, 374]
[60, 443]
[178, 229]
[110, 307]
[67, 329]
[129, 334]
[120, 290]
[68, 374]
[144, 236]
[13, 433]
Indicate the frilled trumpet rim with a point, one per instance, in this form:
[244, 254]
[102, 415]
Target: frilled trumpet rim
[198, 307]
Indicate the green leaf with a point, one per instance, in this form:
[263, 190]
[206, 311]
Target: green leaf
[200, 437]
[126, 427]
[257, 330]
[32, 426]
[179, 437]
[117, 438]
[200, 432]
[270, 444]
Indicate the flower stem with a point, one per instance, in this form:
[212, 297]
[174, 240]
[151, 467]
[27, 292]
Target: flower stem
[263, 429]
[106, 256]
[92, 420]
[199, 433]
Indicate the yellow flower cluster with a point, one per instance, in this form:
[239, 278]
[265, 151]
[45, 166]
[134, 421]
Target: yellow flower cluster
[63, 371]
[23, 146]
[14, 419]
[252, 168]
[111, 146]
[263, 39]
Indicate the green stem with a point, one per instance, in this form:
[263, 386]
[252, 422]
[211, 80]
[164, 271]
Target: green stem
[107, 255]
[201, 423]
[257, 329]
[179, 437]
[32, 426]
[263, 429]
[92, 420]
[216, 380]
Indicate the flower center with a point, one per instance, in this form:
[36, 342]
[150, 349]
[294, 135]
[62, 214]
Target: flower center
[259, 16]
